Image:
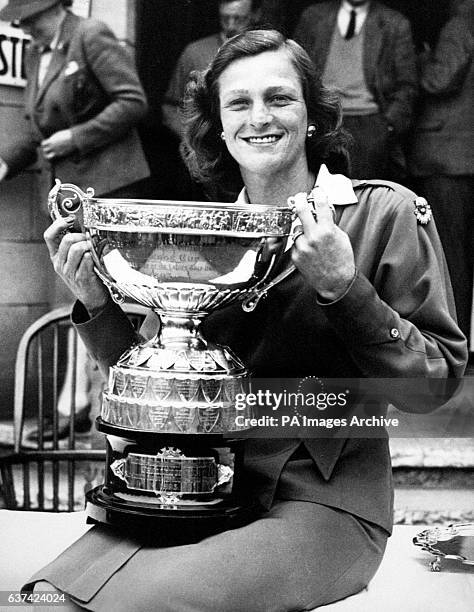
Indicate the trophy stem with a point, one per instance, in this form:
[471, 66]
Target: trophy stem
[180, 331]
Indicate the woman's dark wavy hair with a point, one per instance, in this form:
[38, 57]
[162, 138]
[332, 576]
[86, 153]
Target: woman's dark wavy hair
[203, 150]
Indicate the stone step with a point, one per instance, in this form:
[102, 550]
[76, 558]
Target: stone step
[432, 452]
[441, 506]
[433, 464]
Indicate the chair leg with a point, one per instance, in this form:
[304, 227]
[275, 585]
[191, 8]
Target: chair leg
[8, 488]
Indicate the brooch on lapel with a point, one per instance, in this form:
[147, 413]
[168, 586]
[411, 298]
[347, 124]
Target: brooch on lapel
[422, 212]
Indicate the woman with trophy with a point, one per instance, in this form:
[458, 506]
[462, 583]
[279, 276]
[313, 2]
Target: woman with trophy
[370, 298]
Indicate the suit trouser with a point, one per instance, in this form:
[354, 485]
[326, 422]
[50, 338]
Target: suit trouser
[298, 556]
[452, 201]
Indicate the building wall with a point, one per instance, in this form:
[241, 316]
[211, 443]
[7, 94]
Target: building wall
[26, 274]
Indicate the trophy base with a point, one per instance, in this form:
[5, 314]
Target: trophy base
[175, 438]
[167, 525]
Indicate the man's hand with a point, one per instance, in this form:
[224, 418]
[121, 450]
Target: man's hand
[322, 252]
[72, 261]
[60, 144]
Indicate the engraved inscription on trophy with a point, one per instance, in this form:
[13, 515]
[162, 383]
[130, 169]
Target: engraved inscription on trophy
[171, 472]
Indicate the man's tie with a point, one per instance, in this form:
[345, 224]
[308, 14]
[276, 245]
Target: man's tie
[352, 26]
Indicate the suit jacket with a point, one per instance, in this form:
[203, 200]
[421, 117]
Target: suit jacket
[388, 55]
[196, 56]
[443, 141]
[395, 320]
[92, 88]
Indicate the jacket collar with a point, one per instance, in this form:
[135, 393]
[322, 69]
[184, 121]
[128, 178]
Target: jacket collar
[373, 40]
[338, 187]
[359, 10]
[325, 453]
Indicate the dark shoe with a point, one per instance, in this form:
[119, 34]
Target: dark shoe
[82, 426]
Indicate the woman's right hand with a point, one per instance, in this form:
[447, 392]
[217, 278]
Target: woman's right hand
[72, 261]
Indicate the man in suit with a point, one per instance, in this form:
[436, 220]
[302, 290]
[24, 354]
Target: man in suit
[442, 153]
[234, 16]
[83, 101]
[365, 52]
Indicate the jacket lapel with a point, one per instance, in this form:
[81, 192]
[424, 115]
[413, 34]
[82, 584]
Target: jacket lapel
[54, 68]
[31, 91]
[324, 35]
[373, 39]
[58, 58]
[33, 67]
[325, 452]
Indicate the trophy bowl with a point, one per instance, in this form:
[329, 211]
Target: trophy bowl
[169, 410]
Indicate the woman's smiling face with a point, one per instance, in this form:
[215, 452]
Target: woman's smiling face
[263, 113]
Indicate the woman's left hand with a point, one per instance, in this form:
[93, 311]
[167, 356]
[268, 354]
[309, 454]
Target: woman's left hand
[322, 252]
[58, 144]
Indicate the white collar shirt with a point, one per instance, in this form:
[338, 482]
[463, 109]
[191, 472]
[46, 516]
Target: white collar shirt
[344, 15]
[46, 55]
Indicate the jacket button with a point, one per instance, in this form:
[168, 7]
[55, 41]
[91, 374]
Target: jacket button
[394, 333]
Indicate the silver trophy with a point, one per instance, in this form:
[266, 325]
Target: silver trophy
[169, 413]
[454, 542]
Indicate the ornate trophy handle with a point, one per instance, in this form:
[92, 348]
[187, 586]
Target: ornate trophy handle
[251, 302]
[117, 296]
[66, 199]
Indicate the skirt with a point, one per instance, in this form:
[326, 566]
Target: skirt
[297, 556]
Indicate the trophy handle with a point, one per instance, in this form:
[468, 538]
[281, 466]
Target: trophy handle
[66, 199]
[251, 301]
[260, 291]
[115, 293]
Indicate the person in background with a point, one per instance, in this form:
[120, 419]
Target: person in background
[365, 53]
[370, 298]
[234, 17]
[442, 152]
[83, 102]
